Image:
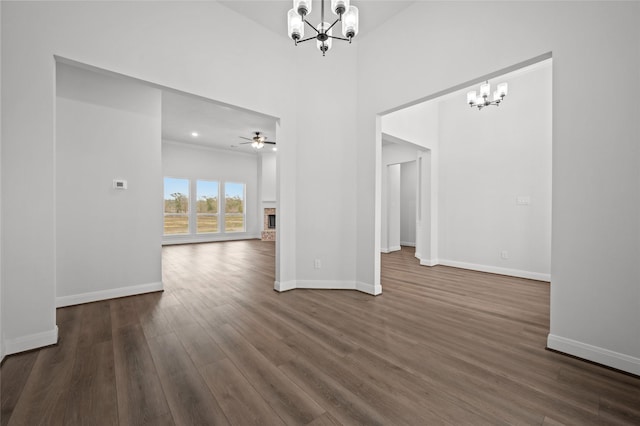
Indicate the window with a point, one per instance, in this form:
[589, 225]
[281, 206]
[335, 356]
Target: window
[176, 206]
[196, 207]
[207, 206]
[234, 207]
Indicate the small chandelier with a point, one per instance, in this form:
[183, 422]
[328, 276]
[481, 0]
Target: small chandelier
[482, 100]
[348, 15]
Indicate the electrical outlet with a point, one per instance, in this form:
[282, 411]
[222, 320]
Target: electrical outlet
[504, 254]
[317, 264]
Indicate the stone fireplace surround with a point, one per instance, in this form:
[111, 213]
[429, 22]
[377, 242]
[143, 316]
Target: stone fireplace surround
[269, 234]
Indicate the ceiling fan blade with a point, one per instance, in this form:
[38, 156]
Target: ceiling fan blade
[242, 137]
[245, 143]
[272, 143]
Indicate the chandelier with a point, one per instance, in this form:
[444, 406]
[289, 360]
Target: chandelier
[482, 100]
[323, 32]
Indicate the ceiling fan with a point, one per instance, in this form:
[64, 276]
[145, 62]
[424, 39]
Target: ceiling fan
[258, 141]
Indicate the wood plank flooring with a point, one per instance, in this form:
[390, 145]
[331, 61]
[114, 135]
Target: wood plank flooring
[219, 346]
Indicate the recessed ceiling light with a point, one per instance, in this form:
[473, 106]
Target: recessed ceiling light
[274, 148]
[194, 134]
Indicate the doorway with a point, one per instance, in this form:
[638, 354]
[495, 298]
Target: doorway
[110, 164]
[484, 197]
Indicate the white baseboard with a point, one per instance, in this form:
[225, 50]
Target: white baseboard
[597, 354]
[31, 341]
[495, 270]
[390, 249]
[94, 296]
[407, 243]
[417, 255]
[189, 239]
[429, 262]
[371, 289]
[284, 286]
[328, 285]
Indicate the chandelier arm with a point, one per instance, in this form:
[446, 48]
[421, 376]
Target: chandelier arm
[307, 39]
[314, 28]
[338, 38]
[334, 22]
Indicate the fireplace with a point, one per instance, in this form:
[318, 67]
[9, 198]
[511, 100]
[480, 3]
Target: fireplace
[269, 232]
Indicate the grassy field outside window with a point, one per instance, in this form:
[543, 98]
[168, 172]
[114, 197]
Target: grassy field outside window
[234, 207]
[205, 197]
[176, 206]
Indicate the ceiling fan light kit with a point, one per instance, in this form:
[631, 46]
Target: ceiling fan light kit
[323, 33]
[482, 100]
[258, 141]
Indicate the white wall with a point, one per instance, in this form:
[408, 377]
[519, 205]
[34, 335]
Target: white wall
[193, 162]
[595, 308]
[107, 240]
[1, 285]
[488, 159]
[408, 197]
[170, 44]
[174, 44]
[393, 207]
[417, 124]
[268, 176]
[325, 180]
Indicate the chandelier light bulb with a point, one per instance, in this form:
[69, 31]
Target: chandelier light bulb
[324, 37]
[338, 7]
[350, 23]
[302, 7]
[296, 25]
[485, 89]
[503, 88]
[471, 97]
[298, 18]
[482, 99]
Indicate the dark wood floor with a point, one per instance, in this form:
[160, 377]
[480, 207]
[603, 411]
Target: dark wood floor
[219, 346]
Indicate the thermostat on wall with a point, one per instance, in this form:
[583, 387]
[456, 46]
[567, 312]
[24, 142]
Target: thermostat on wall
[119, 184]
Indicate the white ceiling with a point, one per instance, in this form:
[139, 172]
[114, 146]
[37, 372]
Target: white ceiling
[218, 126]
[272, 14]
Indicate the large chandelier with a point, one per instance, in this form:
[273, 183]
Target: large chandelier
[482, 100]
[323, 32]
